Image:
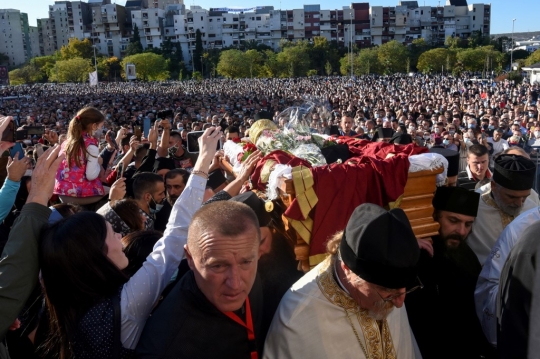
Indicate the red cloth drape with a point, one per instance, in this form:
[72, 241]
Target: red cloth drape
[367, 177]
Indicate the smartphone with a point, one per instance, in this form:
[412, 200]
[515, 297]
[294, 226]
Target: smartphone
[29, 131]
[165, 114]
[138, 132]
[9, 133]
[17, 149]
[193, 142]
[146, 126]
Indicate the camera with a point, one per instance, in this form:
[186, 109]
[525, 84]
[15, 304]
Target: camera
[12, 135]
[165, 114]
[193, 143]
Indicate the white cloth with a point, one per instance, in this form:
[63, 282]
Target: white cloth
[489, 225]
[311, 322]
[485, 295]
[92, 165]
[142, 290]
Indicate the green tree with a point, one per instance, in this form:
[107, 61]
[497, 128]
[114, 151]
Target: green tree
[520, 54]
[533, 58]
[172, 52]
[72, 70]
[148, 66]
[135, 46]
[417, 48]
[77, 49]
[367, 62]
[25, 75]
[232, 64]
[328, 68]
[198, 52]
[434, 60]
[44, 64]
[477, 59]
[294, 60]
[253, 62]
[271, 66]
[392, 57]
[453, 42]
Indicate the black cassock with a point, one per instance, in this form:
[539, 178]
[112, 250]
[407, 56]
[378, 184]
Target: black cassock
[186, 325]
[442, 314]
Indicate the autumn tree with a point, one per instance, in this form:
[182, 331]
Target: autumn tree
[77, 49]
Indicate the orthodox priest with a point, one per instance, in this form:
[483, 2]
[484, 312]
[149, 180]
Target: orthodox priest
[351, 304]
[511, 185]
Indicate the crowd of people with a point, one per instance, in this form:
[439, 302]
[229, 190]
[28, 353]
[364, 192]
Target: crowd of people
[119, 241]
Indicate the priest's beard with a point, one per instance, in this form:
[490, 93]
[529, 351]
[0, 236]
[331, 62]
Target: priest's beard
[508, 209]
[381, 310]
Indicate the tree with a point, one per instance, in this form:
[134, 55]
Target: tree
[477, 59]
[72, 70]
[135, 46]
[366, 62]
[294, 60]
[434, 60]
[4, 59]
[253, 61]
[231, 64]
[453, 42]
[520, 54]
[24, 75]
[533, 59]
[77, 48]
[44, 64]
[328, 68]
[172, 52]
[271, 66]
[417, 48]
[392, 57]
[198, 52]
[148, 66]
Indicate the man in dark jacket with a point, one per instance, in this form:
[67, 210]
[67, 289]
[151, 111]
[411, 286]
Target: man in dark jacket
[442, 315]
[215, 310]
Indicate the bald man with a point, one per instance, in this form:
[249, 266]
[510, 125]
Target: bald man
[215, 310]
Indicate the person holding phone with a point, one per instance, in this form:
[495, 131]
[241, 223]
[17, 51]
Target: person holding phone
[77, 179]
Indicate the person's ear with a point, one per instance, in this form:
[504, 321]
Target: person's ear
[189, 257]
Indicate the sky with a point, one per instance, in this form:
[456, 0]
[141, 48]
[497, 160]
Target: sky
[503, 11]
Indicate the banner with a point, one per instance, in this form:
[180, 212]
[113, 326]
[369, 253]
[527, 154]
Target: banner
[131, 74]
[93, 78]
[4, 76]
[230, 9]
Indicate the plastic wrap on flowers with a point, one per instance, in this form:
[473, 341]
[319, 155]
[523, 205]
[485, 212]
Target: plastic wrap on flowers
[310, 153]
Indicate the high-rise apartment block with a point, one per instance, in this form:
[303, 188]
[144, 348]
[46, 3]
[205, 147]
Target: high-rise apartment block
[110, 26]
[15, 40]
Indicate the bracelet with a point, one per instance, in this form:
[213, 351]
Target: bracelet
[200, 173]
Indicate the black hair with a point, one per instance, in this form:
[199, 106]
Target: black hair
[144, 183]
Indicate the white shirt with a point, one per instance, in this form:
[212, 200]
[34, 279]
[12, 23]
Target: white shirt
[142, 291]
[485, 295]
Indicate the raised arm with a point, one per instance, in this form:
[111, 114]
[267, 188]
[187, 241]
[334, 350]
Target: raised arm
[143, 289]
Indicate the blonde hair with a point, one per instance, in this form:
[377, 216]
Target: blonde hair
[77, 126]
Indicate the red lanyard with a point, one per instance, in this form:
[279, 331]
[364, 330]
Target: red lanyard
[248, 325]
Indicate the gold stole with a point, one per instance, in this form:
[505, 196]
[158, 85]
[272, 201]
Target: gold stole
[375, 342]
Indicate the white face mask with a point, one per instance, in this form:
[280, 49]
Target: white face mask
[536, 134]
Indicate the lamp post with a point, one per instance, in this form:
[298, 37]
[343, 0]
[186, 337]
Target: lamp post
[191, 51]
[350, 44]
[512, 47]
[95, 61]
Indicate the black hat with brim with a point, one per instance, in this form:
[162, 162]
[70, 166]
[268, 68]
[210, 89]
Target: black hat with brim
[514, 172]
[451, 156]
[380, 247]
[400, 138]
[457, 200]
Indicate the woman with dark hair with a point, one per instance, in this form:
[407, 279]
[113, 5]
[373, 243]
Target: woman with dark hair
[124, 216]
[95, 310]
[137, 246]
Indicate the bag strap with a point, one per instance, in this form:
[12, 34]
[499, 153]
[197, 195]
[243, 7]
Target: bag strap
[117, 341]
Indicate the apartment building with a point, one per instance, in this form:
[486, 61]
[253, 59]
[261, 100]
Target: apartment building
[108, 31]
[15, 36]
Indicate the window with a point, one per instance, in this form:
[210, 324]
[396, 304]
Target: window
[422, 12]
[209, 20]
[258, 18]
[201, 18]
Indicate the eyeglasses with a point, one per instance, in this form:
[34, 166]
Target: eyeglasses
[392, 297]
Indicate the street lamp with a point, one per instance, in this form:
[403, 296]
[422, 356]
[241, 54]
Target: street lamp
[95, 60]
[512, 47]
[350, 45]
[191, 51]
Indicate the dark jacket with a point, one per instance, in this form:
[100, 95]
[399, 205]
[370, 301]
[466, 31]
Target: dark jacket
[19, 266]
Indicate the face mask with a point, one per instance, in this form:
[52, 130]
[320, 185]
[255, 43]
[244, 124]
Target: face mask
[446, 142]
[536, 134]
[531, 114]
[472, 126]
[28, 173]
[158, 208]
[491, 127]
[437, 130]
[173, 149]
[376, 115]
[427, 137]
[451, 132]
[98, 132]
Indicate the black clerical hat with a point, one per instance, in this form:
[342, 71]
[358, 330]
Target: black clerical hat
[400, 138]
[451, 156]
[514, 172]
[382, 133]
[456, 200]
[380, 247]
[257, 205]
[163, 163]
